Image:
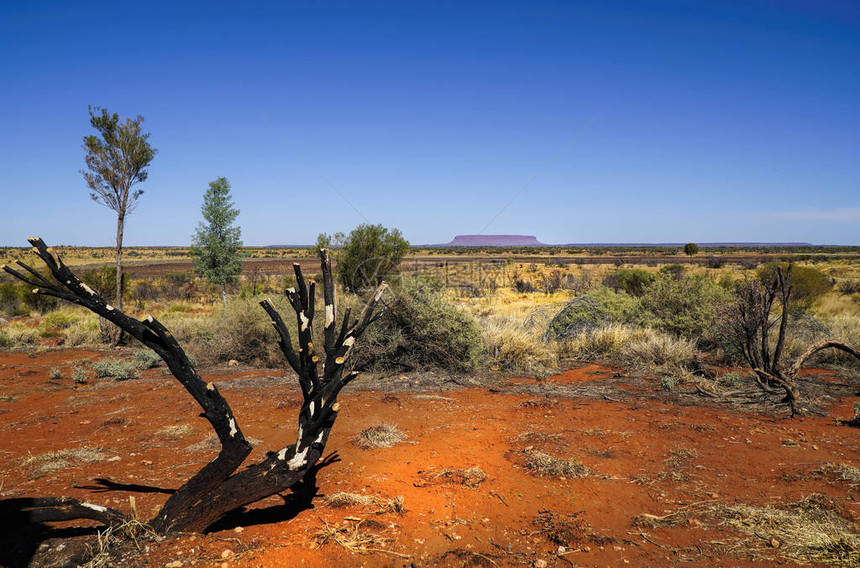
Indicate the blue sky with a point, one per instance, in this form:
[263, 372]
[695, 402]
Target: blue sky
[682, 121]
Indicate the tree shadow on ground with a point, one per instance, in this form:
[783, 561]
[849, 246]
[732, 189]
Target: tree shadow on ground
[301, 499]
[22, 537]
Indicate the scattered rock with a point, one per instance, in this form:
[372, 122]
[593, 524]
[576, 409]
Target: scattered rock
[232, 363]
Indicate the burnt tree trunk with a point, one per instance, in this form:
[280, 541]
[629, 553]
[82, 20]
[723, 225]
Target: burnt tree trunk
[753, 323]
[217, 488]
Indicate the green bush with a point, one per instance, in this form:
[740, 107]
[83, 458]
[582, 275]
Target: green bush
[687, 306]
[598, 308]
[807, 284]
[419, 329]
[370, 253]
[634, 281]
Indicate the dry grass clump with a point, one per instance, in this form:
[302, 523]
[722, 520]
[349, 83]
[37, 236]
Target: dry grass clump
[809, 530]
[470, 476]
[603, 343]
[17, 334]
[351, 536]
[544, 464]
[379, 436]
[175, 431]
[61, 459]
[342, 499]
[842, 472]
[509, 345]
[656, 349]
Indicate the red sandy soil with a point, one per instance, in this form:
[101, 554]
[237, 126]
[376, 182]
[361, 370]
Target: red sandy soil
[738, 458]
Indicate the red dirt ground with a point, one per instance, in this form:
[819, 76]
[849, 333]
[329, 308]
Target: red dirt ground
[628, 445]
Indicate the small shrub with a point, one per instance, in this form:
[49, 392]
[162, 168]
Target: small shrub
[668, 382]
[79, 375]
[145, 359]
[115, 369]
[807, 284]
[421, 328]
[56, 374]
[687, 306]
[600, 307]
[633, 281]
[848, 286]
[379, 436]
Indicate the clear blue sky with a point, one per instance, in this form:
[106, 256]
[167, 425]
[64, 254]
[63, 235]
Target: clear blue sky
[689, 121]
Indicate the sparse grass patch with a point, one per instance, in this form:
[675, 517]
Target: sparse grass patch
[809, 530]
[679, 461]
[61, 459]
[840, 472]
[175, 431]
[543, 464]
[343, 499]
[379, 436]
[470, 476]
[570, 531]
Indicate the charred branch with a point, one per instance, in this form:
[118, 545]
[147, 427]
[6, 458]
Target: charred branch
[217, 489]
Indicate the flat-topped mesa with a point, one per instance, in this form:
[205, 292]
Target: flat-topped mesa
[495, 241]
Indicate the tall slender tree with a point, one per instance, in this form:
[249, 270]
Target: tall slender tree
[117, 159]
[217, 242]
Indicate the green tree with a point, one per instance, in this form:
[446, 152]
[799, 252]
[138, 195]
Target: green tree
[216, 244]
[369, 254]
[116, 160]
[691, 248]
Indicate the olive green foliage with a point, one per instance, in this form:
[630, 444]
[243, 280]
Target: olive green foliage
[807, 284]
[18, 299]
[630, 280]
[598, 308]
[103, 281]
[691, 248]
[216, 244]
[420, 328]
[370, 253]
[686, 306]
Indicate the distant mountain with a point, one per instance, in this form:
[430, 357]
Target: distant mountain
[494, 241]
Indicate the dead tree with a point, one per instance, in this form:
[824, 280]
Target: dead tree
[218, 488]
[761, 307]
